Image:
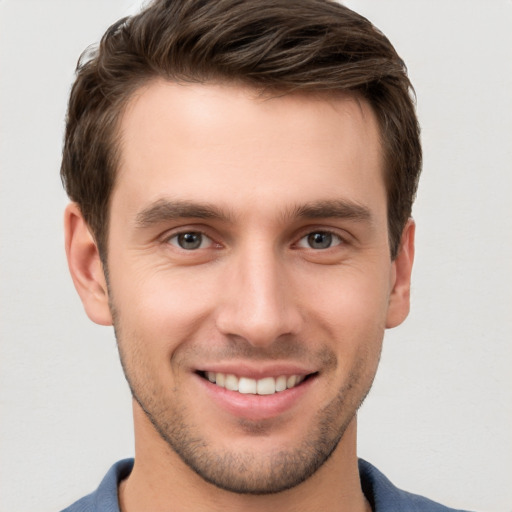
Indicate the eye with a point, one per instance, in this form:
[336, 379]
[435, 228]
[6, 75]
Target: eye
[319, 240]
[190, 240]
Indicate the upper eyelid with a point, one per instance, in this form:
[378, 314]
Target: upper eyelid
[186, 231]
[343, 240]
[178, 230]
[342, 234]
[213, 243]
[209, 241]
[220, 239]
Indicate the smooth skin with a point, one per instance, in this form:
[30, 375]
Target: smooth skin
[247, 235]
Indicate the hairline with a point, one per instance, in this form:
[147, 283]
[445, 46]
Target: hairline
[264, 92]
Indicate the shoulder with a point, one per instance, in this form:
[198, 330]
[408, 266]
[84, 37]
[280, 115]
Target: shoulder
[385, 497]
[104, 498]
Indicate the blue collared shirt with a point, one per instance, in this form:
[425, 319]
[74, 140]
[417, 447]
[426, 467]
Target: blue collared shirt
[382, 495]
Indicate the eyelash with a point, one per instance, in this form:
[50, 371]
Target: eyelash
[176, 236]
[333, 240]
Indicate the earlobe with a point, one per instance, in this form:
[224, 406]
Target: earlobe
[85, 266]
[399, 299]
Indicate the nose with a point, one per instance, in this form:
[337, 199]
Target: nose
[257, 301]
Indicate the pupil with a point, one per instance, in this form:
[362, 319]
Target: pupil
[320, 240]
[189, 240]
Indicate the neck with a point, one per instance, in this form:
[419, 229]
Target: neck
[161, 482]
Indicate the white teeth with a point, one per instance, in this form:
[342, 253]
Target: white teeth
[266, 386]
[291, 381]
[231, 383]
[220, 379]
[245, 385]
[281, 383]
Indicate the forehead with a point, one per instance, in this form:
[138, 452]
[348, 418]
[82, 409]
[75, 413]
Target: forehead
[230, 145]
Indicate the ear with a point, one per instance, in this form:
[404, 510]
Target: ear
[399, 299]
[85, 266]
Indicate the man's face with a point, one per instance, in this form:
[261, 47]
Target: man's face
[248, 248]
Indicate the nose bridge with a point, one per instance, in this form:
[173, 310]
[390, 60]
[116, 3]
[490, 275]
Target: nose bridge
[258, 302]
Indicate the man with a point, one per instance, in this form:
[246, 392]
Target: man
[242, 177]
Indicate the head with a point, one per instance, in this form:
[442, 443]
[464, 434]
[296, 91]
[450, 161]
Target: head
[246, 171]
[275, 47]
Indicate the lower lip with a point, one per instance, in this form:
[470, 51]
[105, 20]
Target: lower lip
[256, 407]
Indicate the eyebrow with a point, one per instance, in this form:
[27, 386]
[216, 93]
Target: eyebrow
[165, 210]
[334, 208]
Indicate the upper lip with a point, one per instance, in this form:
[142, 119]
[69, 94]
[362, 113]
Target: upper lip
[260, 371]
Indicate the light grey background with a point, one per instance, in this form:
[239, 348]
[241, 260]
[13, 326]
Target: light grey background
[439, 419]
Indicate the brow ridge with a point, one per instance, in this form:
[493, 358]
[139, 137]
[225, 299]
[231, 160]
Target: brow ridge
[166, 210]
[333, 208]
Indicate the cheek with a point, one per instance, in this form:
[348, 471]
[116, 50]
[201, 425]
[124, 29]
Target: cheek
[351, 311]
[354, 297]
[162, 308]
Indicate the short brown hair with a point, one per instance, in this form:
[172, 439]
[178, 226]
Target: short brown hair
[271, 45]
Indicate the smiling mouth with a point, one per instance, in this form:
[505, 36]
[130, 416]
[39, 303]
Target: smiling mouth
[246, 385]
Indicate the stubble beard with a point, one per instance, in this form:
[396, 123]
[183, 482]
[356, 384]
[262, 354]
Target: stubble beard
[247, 472]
